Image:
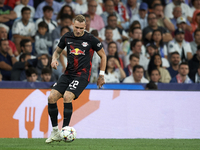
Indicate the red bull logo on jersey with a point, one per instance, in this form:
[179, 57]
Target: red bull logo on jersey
[77, 51]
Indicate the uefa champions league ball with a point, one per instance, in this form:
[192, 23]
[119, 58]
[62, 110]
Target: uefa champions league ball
[68, 134]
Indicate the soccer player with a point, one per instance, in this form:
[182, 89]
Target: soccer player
[80, 48]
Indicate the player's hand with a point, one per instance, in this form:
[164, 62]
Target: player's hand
[54, 64]
[100, 81]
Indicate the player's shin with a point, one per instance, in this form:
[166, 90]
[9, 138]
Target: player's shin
[53, 113]
[67, 113]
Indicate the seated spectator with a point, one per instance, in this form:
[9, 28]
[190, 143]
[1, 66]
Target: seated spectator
[12, 3]
[133, 61]
[113, 51]
[155, 76]
[18, 70]
[26, 47]
[7, 15]
[132, 8]
[154, 2]
[186, 10]
[175, 60]
[47, 15]
[118, 34]
[195, 5]
[55, 5]
[177, 13]
[113, 75]
[147, 32]
[141, 16]
[181, 24]
[151, 86]
[43, 39]
[162, 20]
[7, 59]
[194, 64]
[196, 41]
[137, 76]
[23, 28]
[18, 8]
[31, 75]
[152, 50]
[88, 21]
[1, 77]
[155, 62]
[84, 6]
[75, 6]
[180, 45]
[4, 30]
[66, 9]
[197, 76]
[195, 20]
[46, 75]
[182, 76]
[157, 39]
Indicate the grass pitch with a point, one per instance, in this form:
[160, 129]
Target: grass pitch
[101, 144]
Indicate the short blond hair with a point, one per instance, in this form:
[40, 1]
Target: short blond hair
[80, 18]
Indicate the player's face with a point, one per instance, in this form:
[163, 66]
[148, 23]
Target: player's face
[32, 78]
[134, 61]
[175, 59]
[138, 74]
[155, 76]
[26, 15]
[3, 33]
[157, 60]
[78, 28]
[183, 70]
[46, 77]
[4, 47]
[112, 49]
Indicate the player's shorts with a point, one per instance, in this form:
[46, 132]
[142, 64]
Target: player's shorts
[74, 84]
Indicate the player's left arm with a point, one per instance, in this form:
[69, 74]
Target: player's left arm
[102, 55]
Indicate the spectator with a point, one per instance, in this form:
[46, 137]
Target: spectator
[88, 21]
[162, 20]
[195, 5]
[147, 32]
[186, 10]
[7, 59]
[132, 7]
[64, 22]
[136, 48]
[18, 8]
[46, 75]
[109, 9]
[195, 20]
[55, 5]
[197, 76]
[11, 3]
[181, 24]
[108, 39]
[23, 28]
[66, 9]
[194, 64]
[141, 16]
[113, 75]
[157, 39]
[196, 41]
[133, 61]
[96, 20]
[4, 30]
[26, 47]
[155, 76]
[43, 39]
[18, 70]
[75, 6]
[118, 34]
[84, 6]
[180, 45]
[31, 75]
[47, 15]
[155, 62]
[177, 12]
[1, 77]
[137, 76]
[175, 60]
[113, 51]
[153, 2]
[182, 76]
[151, 86]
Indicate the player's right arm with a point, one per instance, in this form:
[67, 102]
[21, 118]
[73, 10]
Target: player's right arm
[55, 56]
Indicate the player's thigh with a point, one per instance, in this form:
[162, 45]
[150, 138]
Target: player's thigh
[76, 87]
[54, 96]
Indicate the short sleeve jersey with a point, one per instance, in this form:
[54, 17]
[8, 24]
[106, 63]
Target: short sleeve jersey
[79, 53]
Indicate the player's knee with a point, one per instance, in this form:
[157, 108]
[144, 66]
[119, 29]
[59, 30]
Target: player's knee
[68, 97]
[51, 100]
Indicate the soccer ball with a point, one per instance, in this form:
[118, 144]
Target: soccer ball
[68, 134]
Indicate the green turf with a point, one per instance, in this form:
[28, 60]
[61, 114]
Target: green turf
[101, 144]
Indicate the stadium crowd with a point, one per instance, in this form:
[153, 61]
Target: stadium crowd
[145, 40]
